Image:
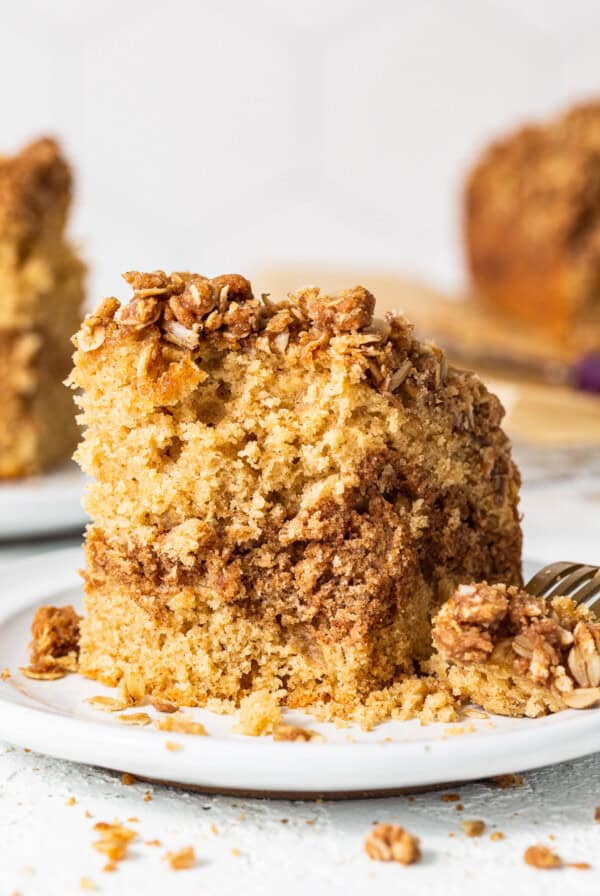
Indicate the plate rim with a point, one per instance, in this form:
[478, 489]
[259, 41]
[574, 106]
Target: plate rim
[56, 508]
[260, 764]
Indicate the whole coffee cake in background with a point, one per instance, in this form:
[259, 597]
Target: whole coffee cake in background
[41, 293]
[284, 492]
[532, 226]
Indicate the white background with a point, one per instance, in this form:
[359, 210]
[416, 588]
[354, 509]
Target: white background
[235, 134]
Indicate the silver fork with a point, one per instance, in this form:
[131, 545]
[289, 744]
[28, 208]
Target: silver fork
[575, 580]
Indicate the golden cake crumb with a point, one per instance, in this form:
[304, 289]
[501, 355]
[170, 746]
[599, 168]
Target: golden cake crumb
[5, 674]
[180, 723]
[113, 841]
[127, 779]
[579, 866]
[172, 746]
[459, 730]
[450, 797]
[132, 687]
[107, 704]
[542, 857]
[86, 884]
[181, 859]
[71, 801]
[260, 713]
[473, 828]
[391, 843]
[507, 781]
[46, 675]
[296, 734]
[135, 718]
[475, 713]
[496, 835]
[153, 843]
[147, 797]
[235, 852]
[162, 705]
[597, 814]
[214, 829]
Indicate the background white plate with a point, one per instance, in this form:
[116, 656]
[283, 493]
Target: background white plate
[40, 505]
[52, 718]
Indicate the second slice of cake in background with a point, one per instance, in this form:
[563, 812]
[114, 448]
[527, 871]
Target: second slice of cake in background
[532, 227]
[284, 492]
[41, 295]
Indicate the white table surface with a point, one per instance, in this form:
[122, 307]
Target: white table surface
[46, 843]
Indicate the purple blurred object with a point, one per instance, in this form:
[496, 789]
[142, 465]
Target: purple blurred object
[583, 375]
[586, 373]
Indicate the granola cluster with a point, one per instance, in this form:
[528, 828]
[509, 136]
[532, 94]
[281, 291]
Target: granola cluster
[554, 643]
[181, 859]
[54, 646]
[540, 856]
[113, 842]
[391, 843]
[182, 308]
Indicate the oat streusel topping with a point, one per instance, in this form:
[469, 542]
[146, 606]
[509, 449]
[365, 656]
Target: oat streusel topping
[391, 843]
[181, 308]
[54, 646]
[554, 643]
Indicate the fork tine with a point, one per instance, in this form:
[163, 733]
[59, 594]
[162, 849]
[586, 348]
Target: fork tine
[595, 607]
[548, 576]
[569, 586]
[588, 591]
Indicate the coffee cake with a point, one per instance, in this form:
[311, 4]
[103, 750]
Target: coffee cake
[284, 492]
[41, 292]
[532, 227]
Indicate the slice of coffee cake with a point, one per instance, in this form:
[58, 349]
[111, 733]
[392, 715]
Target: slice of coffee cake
[41, 292]
[284, 492]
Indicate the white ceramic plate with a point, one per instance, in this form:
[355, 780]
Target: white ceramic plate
[40, 505]
[52, 718]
